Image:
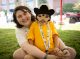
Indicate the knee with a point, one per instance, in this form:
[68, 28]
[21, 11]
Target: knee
[15, 55]
[72, 52]
[18, 54]
[29, 57]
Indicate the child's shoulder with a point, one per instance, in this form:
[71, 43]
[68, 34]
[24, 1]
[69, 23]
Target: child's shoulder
[51, 22]
[34, 23]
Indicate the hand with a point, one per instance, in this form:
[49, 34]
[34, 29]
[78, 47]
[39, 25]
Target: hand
[51, 57]
[58, 52]
[66, 53]
[29, 57]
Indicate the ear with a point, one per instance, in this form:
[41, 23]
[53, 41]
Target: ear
[51, 11]
[36, 10]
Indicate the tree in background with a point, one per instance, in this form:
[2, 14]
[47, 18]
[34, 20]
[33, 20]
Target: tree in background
[69, 7]
[41, 2]
[77, 6]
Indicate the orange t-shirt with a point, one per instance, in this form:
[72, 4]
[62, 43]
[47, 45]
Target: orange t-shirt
[36, 37]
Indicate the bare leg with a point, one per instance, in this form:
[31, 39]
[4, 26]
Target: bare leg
[71, 50]
[72, 53]
[19, 54]
[29, 57]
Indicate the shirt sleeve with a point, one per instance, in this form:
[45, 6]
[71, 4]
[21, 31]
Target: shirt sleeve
[31, 32]
[54, 31]
[21, 37]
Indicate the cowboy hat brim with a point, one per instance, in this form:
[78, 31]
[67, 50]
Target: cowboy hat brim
[44, 10]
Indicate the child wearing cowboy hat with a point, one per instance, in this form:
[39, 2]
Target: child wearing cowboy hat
[43, 34]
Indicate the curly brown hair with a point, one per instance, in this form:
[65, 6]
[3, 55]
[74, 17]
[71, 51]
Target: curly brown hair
[22, 8]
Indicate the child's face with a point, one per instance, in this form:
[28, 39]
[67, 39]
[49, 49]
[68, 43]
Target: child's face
[43, 17]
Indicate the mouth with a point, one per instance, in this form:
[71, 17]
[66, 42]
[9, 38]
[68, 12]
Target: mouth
[42, 21]
[25, 20]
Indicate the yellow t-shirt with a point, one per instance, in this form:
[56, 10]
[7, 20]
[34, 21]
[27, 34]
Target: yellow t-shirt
[35, 35]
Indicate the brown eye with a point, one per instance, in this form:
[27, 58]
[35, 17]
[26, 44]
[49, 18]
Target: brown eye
[47, 16]
[39, 15]
[42, 14]
[19, 16]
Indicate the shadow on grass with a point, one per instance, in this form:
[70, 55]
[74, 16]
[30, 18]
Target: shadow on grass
[8, 42]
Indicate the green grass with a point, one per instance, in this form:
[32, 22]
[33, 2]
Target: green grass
[71, 38]
[8, 42]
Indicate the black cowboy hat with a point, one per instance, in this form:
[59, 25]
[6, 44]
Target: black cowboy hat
[44, 10]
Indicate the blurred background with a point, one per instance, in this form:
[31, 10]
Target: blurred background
[70, 10]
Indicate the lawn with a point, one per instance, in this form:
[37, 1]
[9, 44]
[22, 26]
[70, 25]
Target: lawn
[8, 42]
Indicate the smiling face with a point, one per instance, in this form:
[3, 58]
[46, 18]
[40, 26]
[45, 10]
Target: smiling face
[43, 18]
[23, 17]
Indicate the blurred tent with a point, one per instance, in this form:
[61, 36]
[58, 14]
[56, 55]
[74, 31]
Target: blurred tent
[11, 10]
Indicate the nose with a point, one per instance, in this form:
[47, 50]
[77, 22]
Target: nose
[43, 18]
[23, 17]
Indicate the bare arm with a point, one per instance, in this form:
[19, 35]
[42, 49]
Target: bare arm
[56, 41]
[23, 43]
[61, 44]
[32, 50]
[30, 41]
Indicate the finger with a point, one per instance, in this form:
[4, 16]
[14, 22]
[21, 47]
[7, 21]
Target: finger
[67, 53]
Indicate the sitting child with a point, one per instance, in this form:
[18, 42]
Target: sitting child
[43, 34]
